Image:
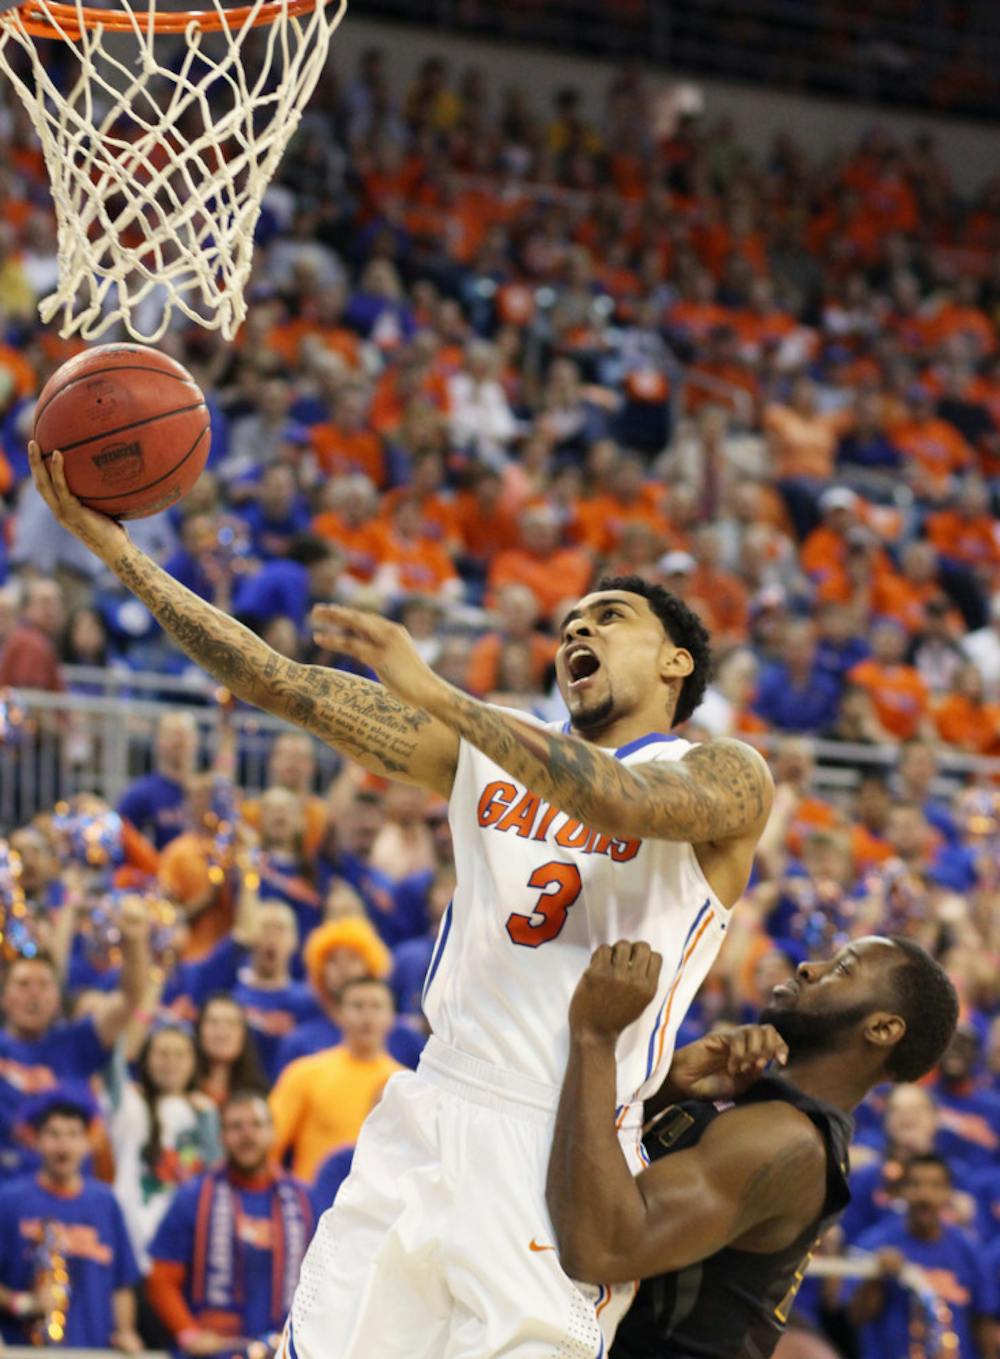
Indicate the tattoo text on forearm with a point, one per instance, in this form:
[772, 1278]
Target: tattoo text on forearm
[356, 716]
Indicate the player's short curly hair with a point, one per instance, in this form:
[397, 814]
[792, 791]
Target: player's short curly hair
[684, 628]
[925, 997]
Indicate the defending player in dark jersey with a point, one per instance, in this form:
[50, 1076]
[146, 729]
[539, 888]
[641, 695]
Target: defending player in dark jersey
[751, 1170]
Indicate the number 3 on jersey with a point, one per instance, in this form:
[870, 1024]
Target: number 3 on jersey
[551, 906]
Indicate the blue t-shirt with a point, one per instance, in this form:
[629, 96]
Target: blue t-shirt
[155, 805]
[783, 705]
[968, 1125]
[174, 1241]
[272, 538]
[868, 451]
[396, 907]
[280, 589]
[281, 880]
[410, 963]
[90, 1231]
[272, 1012]
[330, 1176]
[954, 1269]
[835, 661]
[875, 1196]
[986, 1189]
[404, 1043]
[189, 572]
[67, 1056]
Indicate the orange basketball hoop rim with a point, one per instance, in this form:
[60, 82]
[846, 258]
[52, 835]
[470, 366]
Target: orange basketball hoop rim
[55, 20]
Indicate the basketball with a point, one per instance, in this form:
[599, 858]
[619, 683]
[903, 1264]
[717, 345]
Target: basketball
[132, 425]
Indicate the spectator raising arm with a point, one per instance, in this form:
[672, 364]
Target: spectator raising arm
[112, 1016]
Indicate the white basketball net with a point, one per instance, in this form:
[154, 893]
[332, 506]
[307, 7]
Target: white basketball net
[159, 151]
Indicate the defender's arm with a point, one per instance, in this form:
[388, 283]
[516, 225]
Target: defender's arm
[754, 1165]
[763, 1163]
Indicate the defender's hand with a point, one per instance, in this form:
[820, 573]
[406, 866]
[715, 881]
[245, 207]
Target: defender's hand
[383, 646]
[724, 1065]
[615, 989]
[103, 536]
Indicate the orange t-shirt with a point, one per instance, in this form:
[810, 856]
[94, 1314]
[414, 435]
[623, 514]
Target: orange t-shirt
[755, 330]
[974, 727]
[935, 445]
[388, 404]
[422, 565]
[898, 694]
[699, 394]
[696, 319]
[286, 340]
[811, 814]
[726, 599]
[804, 446]
[483, 535]
[600, 522]
[484, 660]
[867, 849]
[952, 319]
[563, 575]
[340, 451]
[973, 541]
[320, 1102]
[440, 518]
[361, 546]
[894, 596]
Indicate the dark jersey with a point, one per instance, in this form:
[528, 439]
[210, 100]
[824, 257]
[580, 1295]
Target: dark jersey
[735, 1304]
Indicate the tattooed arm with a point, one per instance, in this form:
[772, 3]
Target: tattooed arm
[719, 791]
[717, 798]
[355, 716]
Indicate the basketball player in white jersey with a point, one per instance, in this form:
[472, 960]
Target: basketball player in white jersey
[439, 1245]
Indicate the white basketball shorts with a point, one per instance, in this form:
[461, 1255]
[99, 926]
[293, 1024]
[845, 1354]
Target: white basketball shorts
[439, 1244]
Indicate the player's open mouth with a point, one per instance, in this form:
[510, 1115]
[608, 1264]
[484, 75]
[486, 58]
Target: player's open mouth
[582, 665]
[788, 988]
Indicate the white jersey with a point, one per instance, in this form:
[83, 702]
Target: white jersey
[537, 893]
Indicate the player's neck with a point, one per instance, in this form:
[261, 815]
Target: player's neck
[623, 731]
[831, 1078]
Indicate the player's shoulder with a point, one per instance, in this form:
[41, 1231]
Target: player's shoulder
[728, 758]
[766, 1139]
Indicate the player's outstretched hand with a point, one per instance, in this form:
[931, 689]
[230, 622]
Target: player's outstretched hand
[103, 536]
[618, 984]
[725, 1064]
[383, 646]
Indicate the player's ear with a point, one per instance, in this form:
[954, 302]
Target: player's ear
[884, 1030]
[675, 663]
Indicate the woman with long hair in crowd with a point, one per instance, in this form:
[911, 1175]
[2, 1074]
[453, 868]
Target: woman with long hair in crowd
[226, 1054]
[164, 1131]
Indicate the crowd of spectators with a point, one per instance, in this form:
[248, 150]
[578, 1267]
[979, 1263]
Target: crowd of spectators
[490, 354]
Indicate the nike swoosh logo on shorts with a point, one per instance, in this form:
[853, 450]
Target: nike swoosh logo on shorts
[533, 1245]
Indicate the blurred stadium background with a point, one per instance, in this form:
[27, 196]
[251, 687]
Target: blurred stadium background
[707, 291]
